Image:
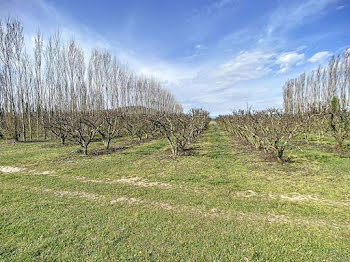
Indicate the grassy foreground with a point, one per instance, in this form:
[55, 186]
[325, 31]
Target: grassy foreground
[219, 203]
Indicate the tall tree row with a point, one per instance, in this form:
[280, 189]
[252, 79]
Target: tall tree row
[315, 91]
[57, 89]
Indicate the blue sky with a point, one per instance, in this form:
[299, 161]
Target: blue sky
[215, 54]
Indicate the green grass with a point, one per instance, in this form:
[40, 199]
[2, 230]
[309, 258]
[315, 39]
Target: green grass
[223, 202]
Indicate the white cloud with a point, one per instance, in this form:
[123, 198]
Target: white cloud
[166, 72]
[230, 84]
[245, 78]
[319, 57]
[287, 60]
[245, 66]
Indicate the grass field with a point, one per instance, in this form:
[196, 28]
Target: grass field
[221, 202]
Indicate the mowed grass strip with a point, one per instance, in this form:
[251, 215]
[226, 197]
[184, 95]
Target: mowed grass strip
[222, 203]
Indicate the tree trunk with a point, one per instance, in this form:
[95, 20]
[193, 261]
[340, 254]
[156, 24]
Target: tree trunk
[30, 125]
[24, 128]
[280, 155]
[63, 140]
[86, 149]
[107, 143]
[15, 129]
[37, 127]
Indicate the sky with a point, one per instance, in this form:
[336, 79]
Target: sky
[218, 55]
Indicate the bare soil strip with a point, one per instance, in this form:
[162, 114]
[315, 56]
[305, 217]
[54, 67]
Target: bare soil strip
[136, 181]
[246, 194]
[11, 169]
[141, 182]
[292, 197]
[296, 197]
[212, 213]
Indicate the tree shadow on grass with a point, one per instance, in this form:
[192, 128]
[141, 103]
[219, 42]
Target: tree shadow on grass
[192, 150]
[104, 151]
[122, 147]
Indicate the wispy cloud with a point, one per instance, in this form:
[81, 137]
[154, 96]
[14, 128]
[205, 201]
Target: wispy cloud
[340, 7]
[245, 66]
[199, 46]
[319, 57]
[287, 60]
[295, 13]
